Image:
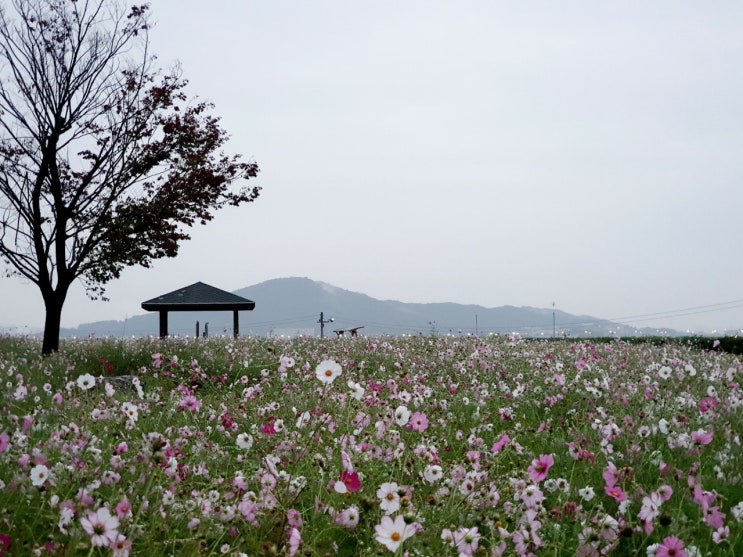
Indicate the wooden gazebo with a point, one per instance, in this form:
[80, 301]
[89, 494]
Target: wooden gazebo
[198, 297]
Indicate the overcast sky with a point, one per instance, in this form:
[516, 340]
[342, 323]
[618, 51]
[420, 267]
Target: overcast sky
[483, 152]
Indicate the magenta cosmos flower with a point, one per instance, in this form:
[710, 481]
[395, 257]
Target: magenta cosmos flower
[5, 541]
[540, 467]
[348, 482]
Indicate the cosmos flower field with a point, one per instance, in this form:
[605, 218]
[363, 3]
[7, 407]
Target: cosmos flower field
[429, 446]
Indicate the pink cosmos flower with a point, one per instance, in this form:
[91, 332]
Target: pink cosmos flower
[346, 461]
[650, 510]
[285, 362]
[4, 543]
[671, 547]
[121, 546]
[391, 533]
[294, 518]
[701, 437]
[665, 492]
[610, 474]
[418, 422]
[615, 492]
[701, 497]
[721, 534]
[531, 496]
[501, 443]
[4, 442]
[465, 540]
[124, 509]
[86, 500]
[295, 538]
[190, 403]
[713, 517]
[707, 404]
[101, 527]
[348, 518]
[540, 467]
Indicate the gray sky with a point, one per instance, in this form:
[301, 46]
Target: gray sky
[484, 152]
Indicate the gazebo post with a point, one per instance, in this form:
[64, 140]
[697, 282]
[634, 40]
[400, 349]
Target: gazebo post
[163, 324]
[235, 324]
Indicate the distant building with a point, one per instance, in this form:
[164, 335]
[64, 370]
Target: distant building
[291, 333]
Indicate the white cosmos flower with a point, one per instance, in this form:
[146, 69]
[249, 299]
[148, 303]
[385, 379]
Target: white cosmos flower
[402, 415]
[391, 533]
[244, 441]
[86, 381]
[39, 475]
[389, 498]
[663, 426]
[432, 473]
[357, 391]
[327, 370]
[303, 419]
[587, 493]
[131, 411]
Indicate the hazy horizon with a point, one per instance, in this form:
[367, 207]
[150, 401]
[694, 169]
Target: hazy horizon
[638, 321]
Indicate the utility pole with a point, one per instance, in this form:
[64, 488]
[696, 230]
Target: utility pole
[553, 319]
[322, 324]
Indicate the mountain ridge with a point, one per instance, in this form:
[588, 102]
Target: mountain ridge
[292, 306]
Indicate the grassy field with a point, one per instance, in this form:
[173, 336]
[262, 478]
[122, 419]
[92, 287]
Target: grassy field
[370, 446]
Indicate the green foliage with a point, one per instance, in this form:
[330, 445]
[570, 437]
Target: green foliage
[228, 437]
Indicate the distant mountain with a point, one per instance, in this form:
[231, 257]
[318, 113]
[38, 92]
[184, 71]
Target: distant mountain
[292, 306]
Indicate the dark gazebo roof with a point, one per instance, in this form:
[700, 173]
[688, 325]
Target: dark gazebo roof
[198, 297]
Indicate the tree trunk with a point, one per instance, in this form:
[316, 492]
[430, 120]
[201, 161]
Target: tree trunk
[53, 320]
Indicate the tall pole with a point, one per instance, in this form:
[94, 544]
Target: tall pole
[553, 319]
[322, 324]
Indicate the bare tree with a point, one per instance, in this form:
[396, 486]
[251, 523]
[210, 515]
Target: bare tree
[104, 161]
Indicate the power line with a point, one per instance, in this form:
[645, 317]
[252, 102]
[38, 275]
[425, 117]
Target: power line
[710, 308]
